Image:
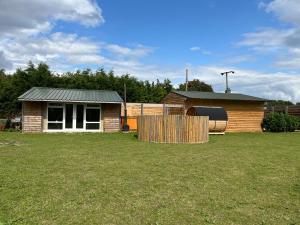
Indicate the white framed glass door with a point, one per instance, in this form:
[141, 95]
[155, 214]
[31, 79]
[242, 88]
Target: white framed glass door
[79, 117]
[74, 117]
[69, 111]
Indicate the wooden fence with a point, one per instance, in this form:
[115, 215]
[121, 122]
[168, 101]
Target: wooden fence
[139, 109]
[293, 110]
[173, 129]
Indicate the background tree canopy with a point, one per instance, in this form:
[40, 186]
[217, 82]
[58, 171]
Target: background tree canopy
[196, 85]
[12, 86]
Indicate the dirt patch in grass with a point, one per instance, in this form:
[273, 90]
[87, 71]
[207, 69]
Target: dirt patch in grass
[5, 143]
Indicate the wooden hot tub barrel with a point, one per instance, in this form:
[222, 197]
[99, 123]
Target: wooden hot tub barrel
[217, 117]
[173, 129]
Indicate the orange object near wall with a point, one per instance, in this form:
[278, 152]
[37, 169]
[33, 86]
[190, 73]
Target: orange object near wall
[131, 122]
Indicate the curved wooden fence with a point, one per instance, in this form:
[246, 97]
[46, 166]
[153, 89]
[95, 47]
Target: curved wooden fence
[173, 129]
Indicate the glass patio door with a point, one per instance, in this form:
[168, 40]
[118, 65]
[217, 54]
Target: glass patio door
[79, 116]
[69, 116]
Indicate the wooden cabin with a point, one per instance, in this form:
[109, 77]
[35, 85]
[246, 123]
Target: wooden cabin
[70, 110]
[245, 113]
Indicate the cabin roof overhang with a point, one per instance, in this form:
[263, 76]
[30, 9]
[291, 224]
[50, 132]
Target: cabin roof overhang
[43, 94]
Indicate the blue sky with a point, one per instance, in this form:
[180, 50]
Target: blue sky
[259, 39]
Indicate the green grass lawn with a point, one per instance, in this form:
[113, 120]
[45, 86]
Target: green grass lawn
[115, 179]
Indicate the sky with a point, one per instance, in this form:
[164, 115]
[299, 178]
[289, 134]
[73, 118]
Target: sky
[258, 39]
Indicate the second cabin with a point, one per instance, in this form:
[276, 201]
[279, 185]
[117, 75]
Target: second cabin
[245, 113]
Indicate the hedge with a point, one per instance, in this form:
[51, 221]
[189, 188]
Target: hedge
[280, 122]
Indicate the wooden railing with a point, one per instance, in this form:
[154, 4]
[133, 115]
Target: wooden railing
[293, 110]
[173, 129]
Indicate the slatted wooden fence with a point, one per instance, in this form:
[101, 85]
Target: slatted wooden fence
[293, 110]
[138, 109]
[173, 129]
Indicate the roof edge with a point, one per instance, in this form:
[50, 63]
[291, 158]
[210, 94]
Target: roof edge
[258, 99]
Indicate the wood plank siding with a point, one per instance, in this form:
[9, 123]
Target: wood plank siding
[111, 117]
[173, 98]
[243, 116]
[32, 117]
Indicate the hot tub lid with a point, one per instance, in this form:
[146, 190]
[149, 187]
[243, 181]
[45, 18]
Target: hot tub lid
[214, 113]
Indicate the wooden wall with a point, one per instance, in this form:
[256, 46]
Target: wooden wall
[137, 109]
[32, 117]
[173, 98]
[243, 116]
[111, 117]
[173, 129]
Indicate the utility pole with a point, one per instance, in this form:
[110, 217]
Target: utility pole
[226, 74]
[125, 126]
[186, 79]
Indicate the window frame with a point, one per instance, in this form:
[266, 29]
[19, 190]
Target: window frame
[85, 122]
[56, 106]
[92, 122]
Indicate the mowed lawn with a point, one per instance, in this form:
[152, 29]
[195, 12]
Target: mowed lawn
[115, 179]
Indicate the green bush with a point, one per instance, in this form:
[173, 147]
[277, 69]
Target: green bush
[280, 122]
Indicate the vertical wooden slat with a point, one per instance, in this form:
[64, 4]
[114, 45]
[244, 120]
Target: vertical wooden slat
[173, 129]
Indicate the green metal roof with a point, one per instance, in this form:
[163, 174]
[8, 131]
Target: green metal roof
[70, 95]
[218, 96]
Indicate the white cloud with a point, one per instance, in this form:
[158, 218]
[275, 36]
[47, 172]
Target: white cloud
[267, 85]
[52, 49]
[284, 44]
[268, 39]
[65, 51]
[238, 59]
[4, 63]
[286, 10]
[202, 51]
[122, 51]
[18, 17]
[195, 48]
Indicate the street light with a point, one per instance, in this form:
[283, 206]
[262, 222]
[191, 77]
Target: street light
[226, 74]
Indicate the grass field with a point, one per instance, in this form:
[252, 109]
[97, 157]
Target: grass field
[115, 179]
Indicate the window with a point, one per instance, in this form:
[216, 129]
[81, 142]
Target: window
[69, 116]
[92, 117]
[55, 116]
[79, 118]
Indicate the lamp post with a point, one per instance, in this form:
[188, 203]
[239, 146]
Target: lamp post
[226, 74]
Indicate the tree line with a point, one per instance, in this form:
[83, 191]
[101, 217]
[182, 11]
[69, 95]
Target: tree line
[13, 85]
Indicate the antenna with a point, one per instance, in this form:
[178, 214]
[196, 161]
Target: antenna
[228, 90]
[186, 79]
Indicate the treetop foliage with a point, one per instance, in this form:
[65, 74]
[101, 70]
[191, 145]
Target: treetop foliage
[196, 85]
[12, 86]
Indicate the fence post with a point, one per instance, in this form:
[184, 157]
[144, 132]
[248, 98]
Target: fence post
[142, 109]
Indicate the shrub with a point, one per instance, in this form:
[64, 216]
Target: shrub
[292, 123]
[280, 122]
